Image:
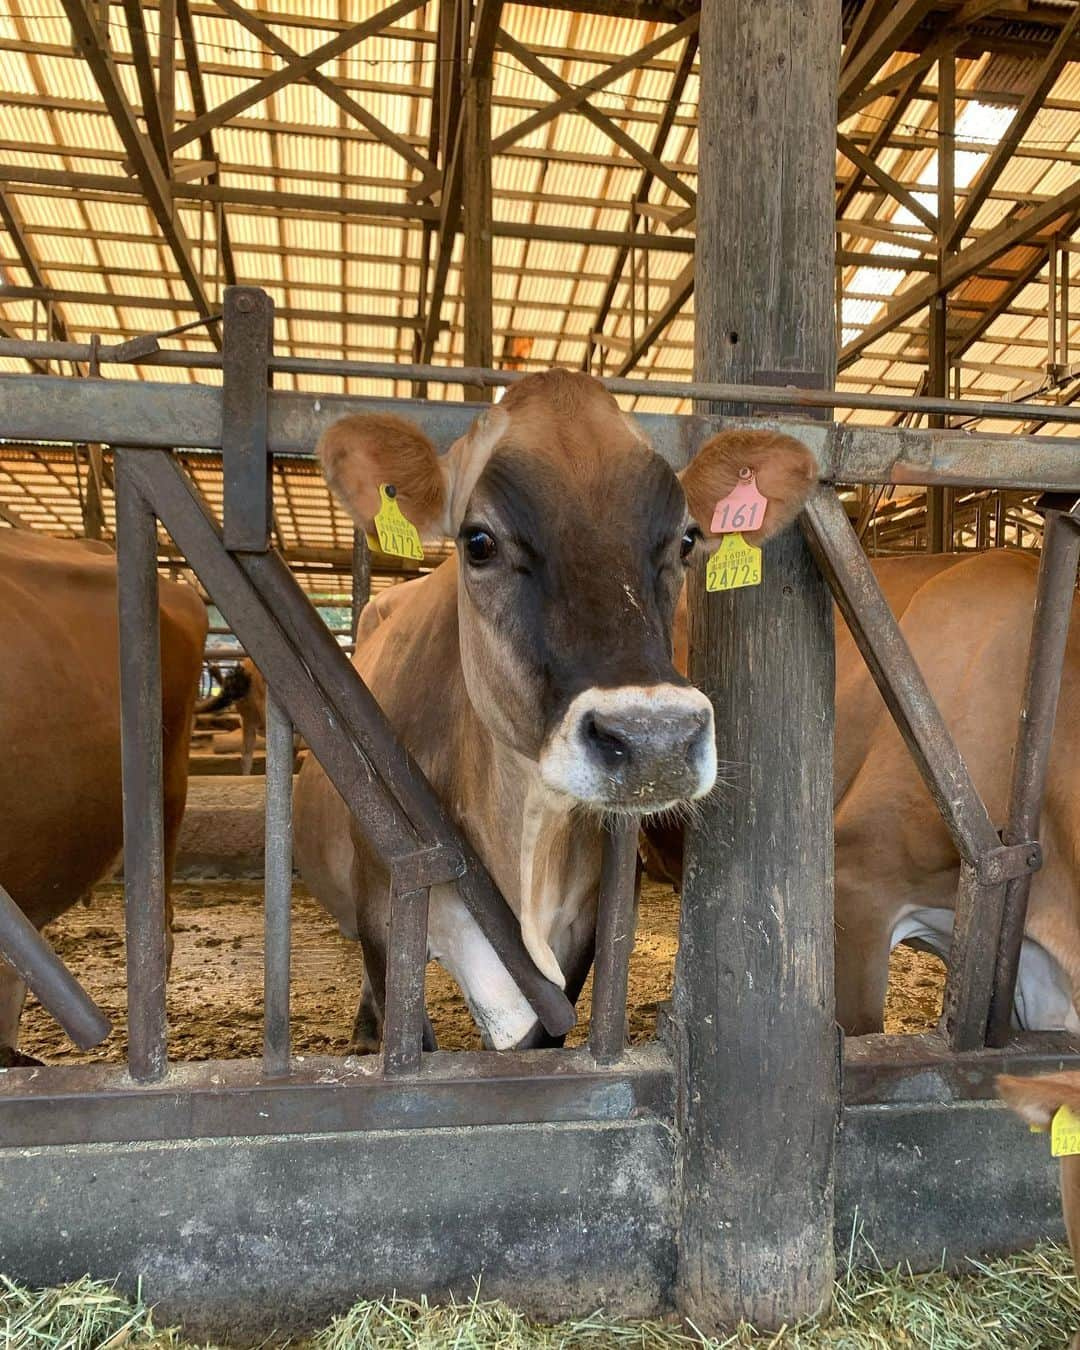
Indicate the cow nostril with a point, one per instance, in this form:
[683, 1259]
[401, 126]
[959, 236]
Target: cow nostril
[603, 739]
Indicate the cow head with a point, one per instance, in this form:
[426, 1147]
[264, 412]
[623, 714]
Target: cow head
[573, 538]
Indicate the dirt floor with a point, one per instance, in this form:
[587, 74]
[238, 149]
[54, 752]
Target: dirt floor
[215, 991]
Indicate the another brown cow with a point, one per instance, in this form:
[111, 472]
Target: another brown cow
[531, 674]
[1037, 1100]
[60, 800]
[244, 688]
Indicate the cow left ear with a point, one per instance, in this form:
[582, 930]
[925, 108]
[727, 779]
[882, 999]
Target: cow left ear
[784, 470]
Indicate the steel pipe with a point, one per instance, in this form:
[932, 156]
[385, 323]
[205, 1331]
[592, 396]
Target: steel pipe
[278, 886]
[50, 981]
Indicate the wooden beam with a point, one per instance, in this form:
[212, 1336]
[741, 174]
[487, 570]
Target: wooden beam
[144, 73]
[603, 123]
[476, 276]
[754, 1007]
[965, 264]
[384, 134]
[886, 181]
[897, 23]
[206, 141]
[13, 223]
[682, 288]
[641, 195]
[141, 155]
[576, 96]
[167, 65]
[991, 171]
[879, 140]
[292, 71]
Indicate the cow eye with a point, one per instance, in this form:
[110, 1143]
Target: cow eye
[480, 547]
[689, 539]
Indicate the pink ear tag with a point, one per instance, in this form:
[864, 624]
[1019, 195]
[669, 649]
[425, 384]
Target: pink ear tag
[742, 509]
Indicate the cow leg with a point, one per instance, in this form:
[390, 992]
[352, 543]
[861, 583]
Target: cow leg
[367, 1026]
[247, 742]
[12, 998]
[862, 977]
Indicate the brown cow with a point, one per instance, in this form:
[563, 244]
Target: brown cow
[244, 688]
[1037, 1101]
[531, 674]
[60, 801]
[966, 617]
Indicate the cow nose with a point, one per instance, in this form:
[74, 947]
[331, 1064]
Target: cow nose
[619, 741]
[633, 747]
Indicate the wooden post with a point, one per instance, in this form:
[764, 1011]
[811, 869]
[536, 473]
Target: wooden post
[476, 277]
[754, 1002]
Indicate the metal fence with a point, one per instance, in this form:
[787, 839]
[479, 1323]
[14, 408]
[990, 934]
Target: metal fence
[314, 689]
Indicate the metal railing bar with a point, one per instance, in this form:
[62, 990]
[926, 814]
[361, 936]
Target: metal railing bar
[972, 956]
[1031, 758]
[278, 886]
[141, 749]
[143, 413]
[616, 919]
[782, 396]
[46, 976]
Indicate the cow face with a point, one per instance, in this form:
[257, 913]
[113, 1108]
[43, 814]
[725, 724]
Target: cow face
[573, 538]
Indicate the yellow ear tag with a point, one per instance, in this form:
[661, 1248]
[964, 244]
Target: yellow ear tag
[735, 563]
[1064, 1133]
[397, 535]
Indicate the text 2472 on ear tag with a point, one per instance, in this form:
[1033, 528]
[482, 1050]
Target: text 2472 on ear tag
[397, 535]
[1064, 1133]
[742, 509]
[735, 563]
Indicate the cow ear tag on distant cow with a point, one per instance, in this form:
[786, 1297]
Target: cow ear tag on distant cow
[397, 535]
[736, 563]
[742, 509]
[1064, 1133]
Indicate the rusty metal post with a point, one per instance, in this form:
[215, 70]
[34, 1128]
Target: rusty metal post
[361, 577]
[616, 915]
[278, 873]
[1034, 741]
[140, 734]
[247, 337]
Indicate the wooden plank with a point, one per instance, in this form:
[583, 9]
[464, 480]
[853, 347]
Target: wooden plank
[293, 70]
[754, 997]
[476, 279]
[885, 181]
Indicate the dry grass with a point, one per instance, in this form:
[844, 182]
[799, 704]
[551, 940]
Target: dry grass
[1025, 1302]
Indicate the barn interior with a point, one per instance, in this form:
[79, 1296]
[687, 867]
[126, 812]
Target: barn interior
[521, 201]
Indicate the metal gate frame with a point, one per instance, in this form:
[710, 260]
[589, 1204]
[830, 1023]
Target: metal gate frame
[570, 1192]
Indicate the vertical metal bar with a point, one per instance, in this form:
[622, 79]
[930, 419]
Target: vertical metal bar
[247, 344]
[1031, 760]
[1051, 303]
[1063, 310]
[616, 916]
[140, 733]
[278, 871]
[35, 962]
[972, 954]
[361, 577]
[406, 964]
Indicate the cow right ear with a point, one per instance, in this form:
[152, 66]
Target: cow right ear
[358, 454]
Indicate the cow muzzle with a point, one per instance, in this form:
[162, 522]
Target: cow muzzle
[637, 748]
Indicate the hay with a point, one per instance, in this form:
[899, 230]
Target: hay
[1024, 1302]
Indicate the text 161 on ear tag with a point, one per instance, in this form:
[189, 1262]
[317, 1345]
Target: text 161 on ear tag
[397, 534]
[742, 509]
[734, 564]
[1064, 1133]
